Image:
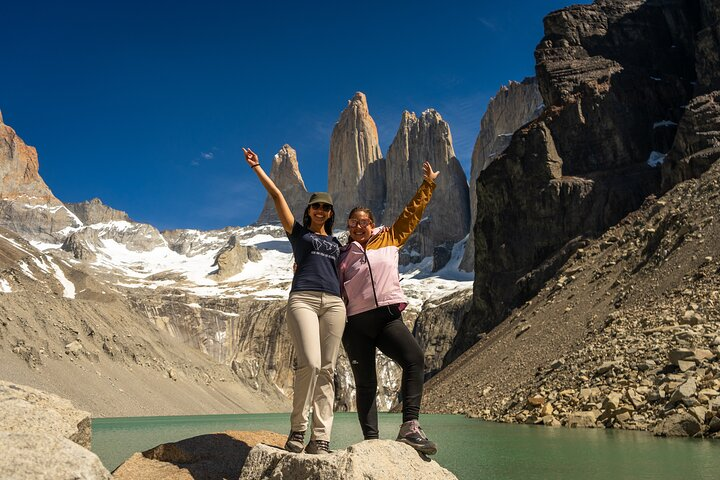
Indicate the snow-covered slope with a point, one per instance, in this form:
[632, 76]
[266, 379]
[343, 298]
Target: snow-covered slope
[135, 255]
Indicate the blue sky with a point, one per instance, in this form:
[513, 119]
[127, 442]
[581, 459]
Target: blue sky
[147, 105]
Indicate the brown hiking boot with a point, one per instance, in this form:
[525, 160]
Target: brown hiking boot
[295, 442]
[317, 446]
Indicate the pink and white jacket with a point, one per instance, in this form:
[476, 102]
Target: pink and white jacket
[369, 277]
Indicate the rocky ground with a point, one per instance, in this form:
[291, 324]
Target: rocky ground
[44, 436]
[626, 335]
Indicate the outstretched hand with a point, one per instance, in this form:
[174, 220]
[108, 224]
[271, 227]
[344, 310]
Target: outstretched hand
[428, 173]
[251, 157]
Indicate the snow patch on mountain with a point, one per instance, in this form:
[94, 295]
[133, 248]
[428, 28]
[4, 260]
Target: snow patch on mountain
[68, 286]
[119, 256]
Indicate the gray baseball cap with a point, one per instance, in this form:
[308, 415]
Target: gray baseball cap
[320, 197]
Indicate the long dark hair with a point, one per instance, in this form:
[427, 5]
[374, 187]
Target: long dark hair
[328, 223]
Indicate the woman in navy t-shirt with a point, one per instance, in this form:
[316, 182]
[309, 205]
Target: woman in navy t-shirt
[315, 313]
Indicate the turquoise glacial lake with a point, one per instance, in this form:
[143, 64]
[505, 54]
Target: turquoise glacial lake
[471, 449]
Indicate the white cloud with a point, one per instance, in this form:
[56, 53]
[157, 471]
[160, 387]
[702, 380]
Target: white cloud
[204, 156]
[488, 24]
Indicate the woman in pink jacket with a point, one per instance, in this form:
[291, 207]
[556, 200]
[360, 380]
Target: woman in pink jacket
[370, 284]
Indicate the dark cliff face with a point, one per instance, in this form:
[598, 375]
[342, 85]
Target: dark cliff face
[614, 72]
[615, 77]
[512, 107]
[697, 144]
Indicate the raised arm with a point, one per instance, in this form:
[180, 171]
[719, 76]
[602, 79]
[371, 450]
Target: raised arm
[281, 206]
[410, 217]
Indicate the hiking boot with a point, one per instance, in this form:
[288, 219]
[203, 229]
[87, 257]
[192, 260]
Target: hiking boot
[411, 433]
[317, 446]
[295, 442]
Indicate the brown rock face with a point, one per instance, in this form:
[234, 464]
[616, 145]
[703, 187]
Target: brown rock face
[285, 172]
[354, 150]
[19, 168]
[512, 107]
[447, 217]
[581, 166]
[231, 259]
[27, 206]
[94, 211]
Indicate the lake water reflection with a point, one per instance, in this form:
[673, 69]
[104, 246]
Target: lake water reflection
[471, 449]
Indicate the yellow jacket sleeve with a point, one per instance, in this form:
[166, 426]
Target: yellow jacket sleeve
[408, 220]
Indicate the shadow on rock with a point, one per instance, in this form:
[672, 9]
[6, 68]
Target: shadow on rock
[208, 457]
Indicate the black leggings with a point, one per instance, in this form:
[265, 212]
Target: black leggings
[376, 328]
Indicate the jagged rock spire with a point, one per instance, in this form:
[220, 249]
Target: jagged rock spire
[285, 172]
[448, 215]
[354, 146]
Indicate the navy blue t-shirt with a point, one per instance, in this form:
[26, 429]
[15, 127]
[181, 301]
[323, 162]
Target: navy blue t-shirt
[316, 257]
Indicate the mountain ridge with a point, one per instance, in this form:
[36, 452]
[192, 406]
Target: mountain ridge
[605, 339]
